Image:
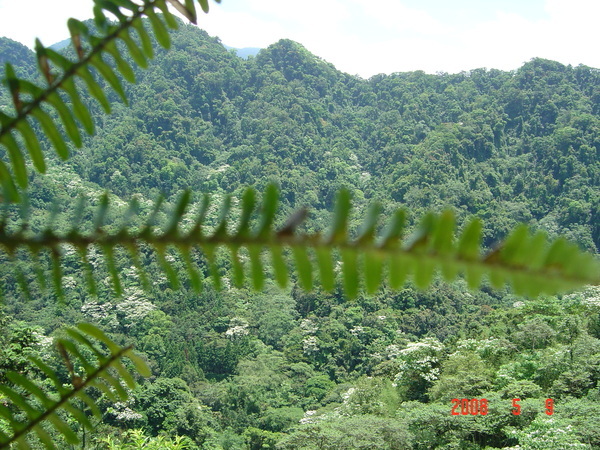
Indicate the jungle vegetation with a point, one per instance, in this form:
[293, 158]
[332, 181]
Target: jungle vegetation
[298, 366]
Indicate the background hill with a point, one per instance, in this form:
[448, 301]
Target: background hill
[236, 369]
[508, 147]
[245, 52]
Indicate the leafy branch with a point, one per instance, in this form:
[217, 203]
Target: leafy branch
[28, 399]
[61, 74]
[529, 262]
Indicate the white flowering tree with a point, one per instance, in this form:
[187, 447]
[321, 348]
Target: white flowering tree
[419, 367]
[547, 433]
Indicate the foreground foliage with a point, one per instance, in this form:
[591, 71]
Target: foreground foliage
[528, 262]
[89, 367]
[29, 100]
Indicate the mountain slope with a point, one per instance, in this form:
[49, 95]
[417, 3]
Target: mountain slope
[520, 146]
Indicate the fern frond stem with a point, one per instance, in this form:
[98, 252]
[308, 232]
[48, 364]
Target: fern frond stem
[26, 111]
[67, 397]
[309, 241]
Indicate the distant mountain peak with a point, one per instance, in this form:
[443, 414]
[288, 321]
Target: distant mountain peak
[244, 52]
[60, 45]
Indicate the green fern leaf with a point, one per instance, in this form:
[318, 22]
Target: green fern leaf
[136, 53]
[16, 159]
[60, 74]
[160, 30]
[33, 146]
[528, 262]
[96, 375]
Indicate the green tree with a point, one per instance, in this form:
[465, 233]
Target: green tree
[462, 375]
[548, 433]
[168, 406]
[361, 431]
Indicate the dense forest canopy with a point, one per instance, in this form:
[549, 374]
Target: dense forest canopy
[294, 369]
[505, 146]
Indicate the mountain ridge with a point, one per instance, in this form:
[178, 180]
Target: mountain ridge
[302, 122]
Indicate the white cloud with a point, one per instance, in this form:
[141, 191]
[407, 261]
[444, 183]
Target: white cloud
[370, 37]
[413, 40]
[567, 35]
[397, 18]
[23, 20]
[241, 29]
[571, 32]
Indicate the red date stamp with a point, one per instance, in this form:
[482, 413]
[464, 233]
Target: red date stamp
[465, 406]
[479, 406]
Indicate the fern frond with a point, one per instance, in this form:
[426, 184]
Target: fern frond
[28, 399]
[530, 263]
[32, 101]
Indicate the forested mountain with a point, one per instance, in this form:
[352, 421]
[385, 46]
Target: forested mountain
[290, 369]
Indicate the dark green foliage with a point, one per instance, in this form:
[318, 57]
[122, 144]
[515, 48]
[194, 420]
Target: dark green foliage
[361, 431]
[280, 419]
[17, 342]
[168, 404]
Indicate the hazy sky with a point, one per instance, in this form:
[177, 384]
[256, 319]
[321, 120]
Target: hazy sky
[370, 37]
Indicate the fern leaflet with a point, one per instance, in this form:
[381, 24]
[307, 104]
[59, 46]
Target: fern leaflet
[32, 101]
[530, 263]
[26, 398]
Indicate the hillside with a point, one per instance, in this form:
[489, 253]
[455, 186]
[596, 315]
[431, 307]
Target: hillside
[291, 369]
[508, 147]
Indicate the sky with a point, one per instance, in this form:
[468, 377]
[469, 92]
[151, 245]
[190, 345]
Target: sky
[369, 37]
